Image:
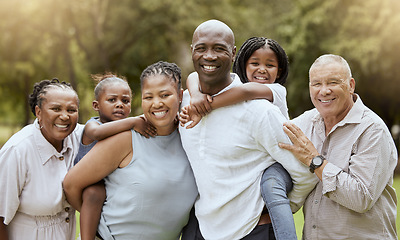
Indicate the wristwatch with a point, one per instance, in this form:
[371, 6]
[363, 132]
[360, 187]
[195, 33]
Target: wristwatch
[316, 162]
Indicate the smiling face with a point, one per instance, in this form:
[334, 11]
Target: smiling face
[331, 91]
[114, 102]
[58, 115]
[213, 51]
[160, 102]
[262, 66]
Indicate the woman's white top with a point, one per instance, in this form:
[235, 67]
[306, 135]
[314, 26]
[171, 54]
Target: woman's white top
[32, 200]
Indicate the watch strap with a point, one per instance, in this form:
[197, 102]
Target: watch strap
[313, 165]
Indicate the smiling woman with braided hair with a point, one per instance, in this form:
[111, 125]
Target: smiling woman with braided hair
[33, 163]
[149, 183]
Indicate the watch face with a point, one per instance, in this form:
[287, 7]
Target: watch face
[317, 161]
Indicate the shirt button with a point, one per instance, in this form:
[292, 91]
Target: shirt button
[61, 158]
[316, 201]
[67, 219]
[314, 226]
[66, 209]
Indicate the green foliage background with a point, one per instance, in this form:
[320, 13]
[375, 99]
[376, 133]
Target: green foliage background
[41, 39]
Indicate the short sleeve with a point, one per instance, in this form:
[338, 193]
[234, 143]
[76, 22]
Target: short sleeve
[279, 96]
[12, 180]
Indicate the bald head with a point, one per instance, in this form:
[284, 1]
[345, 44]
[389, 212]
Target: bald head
[213, 51]
[217, 27]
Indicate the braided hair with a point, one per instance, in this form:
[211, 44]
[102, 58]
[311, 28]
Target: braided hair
[170, 70]
[253, 44]
[40, 90]
[105, 79]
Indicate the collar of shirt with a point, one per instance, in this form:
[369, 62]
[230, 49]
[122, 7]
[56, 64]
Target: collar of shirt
[235, 82]
[353, 116]
[45, 149]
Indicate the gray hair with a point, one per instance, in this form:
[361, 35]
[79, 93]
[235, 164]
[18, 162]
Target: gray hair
[331, 58]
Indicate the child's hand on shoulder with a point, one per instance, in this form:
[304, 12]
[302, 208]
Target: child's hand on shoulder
[144, 127]
[188, 114]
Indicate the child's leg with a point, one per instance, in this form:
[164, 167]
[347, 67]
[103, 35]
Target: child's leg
[275, 184]
[93, 198]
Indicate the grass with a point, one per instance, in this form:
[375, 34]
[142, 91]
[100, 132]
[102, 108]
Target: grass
[299, 222]
[299, 218]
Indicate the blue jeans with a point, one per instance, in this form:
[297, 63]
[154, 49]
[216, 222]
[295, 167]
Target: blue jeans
[275, 185]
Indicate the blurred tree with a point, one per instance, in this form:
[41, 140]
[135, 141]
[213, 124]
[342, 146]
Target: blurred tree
[72, 39]
[35, 46]
[364, 32]
[128, 36]
[20, 52]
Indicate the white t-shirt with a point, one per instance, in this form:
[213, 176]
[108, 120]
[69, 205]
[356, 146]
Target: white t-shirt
[279, 95]
[229, 149]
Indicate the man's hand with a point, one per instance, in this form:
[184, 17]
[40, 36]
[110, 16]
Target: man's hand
[302, 147]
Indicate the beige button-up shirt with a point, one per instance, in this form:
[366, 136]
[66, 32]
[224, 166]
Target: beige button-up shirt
[355, 199]
[32, 200]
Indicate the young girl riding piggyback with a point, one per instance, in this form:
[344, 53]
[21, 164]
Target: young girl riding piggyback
[263, 66]
[113, 98]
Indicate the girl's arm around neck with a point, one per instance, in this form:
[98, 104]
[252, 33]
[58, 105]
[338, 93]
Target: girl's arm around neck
[199, 100]
[248, 91]
[106, 156]
[96, 132]
[245, 92]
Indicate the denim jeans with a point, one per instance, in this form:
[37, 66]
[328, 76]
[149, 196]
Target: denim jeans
[275, 185]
